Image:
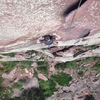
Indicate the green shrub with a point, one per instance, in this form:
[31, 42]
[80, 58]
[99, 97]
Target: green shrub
[5, 93]
[62, 66]
[8, 66]
[61, 78]
[43, 67]
[48, 87]
[25, 64]
[9, 54]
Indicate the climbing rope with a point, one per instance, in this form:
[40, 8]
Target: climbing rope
[70, 25]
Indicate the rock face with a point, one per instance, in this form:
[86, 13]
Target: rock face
[80, 88]
[24, 19]
[88, 15]
[29, 18]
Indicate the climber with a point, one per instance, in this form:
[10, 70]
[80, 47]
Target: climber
[48, 39]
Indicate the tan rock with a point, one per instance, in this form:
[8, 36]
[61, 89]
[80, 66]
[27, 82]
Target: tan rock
[42, 77]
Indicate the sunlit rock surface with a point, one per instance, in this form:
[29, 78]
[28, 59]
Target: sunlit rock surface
[29, 18]
[25, 19]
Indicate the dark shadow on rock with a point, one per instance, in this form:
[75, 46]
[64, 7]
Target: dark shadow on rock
[31, 94]
[73, 7]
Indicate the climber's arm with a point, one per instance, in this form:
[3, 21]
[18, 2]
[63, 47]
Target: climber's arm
[38, 40]
[57, 36]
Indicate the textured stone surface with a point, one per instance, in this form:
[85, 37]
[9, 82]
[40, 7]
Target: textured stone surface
[22, 19]
[86, 17]
[29, 18]
[79, 87]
